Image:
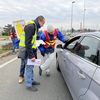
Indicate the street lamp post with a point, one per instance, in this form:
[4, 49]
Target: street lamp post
[72, 17]
[84, 17]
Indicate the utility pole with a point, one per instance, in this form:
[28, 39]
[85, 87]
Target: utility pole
[72, 17]
[84, 17]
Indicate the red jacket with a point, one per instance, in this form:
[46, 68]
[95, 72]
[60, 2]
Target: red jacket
[51, 42]
[13, 35]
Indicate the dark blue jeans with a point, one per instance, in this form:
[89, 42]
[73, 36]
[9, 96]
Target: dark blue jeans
[13, 44]
[29, 75]
[22, 67]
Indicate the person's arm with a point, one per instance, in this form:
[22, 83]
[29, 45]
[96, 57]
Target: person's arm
[61, 37]
[29, 33]
[41, 47]
[42, 37]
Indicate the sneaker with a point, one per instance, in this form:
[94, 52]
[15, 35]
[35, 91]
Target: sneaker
[36, 83]
[21, 80]
[40, 71]
[48, 74]
[33, 89]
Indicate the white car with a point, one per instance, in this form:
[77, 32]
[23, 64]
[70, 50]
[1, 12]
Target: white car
[79, 62]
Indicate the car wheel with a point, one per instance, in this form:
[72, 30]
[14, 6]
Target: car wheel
[57, 65]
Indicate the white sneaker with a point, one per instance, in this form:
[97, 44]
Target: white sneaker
[48, 72]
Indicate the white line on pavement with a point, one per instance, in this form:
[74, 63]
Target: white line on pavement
[1, 66]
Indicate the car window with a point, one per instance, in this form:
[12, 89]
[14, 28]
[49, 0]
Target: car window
[98, 53]
[88, 49]
[72, 43]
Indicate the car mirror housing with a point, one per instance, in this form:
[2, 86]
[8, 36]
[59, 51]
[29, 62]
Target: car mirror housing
[59, 46]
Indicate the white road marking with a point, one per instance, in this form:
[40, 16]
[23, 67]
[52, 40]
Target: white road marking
[6, 63]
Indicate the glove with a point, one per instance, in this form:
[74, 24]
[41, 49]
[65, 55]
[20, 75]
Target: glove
[41, 45]
[65, 41]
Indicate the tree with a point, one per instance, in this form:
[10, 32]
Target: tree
[7, 29]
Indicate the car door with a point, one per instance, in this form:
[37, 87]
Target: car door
[93, 92]
[79, 65]
[62, 58]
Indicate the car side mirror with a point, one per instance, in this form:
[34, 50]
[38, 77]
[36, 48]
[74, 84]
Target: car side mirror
[59, 46]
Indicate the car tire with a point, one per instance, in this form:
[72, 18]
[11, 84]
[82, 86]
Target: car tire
[57, 65]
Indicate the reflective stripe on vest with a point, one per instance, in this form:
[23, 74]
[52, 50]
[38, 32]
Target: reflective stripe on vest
[49, 42]
[22, 37]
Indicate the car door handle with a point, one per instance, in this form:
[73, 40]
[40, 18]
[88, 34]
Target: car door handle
[81, 75]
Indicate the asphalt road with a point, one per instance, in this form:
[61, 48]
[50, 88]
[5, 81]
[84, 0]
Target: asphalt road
[51, 88]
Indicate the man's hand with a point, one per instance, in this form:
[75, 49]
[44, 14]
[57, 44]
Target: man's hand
[65, 41]
[33, 59]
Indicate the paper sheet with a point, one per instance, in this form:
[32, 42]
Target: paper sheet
[36, 63]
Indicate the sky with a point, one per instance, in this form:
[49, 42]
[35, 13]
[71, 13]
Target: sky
[57, 12]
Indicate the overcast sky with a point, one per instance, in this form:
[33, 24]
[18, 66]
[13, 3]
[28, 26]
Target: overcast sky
[55, 11]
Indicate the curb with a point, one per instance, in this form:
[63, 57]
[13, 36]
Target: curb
[7, 53]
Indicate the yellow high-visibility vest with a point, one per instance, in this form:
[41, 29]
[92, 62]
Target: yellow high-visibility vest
[22, 37]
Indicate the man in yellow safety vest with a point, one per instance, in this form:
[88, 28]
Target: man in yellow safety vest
[29, 51]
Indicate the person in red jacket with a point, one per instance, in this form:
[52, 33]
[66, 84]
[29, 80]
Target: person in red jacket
[13, 37]
[50, 37]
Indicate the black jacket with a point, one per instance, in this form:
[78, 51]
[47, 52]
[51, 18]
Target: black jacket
[29, 33]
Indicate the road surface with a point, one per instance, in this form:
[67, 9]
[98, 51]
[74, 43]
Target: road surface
[51, 88]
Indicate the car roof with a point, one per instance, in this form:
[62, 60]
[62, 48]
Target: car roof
[97, 34]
